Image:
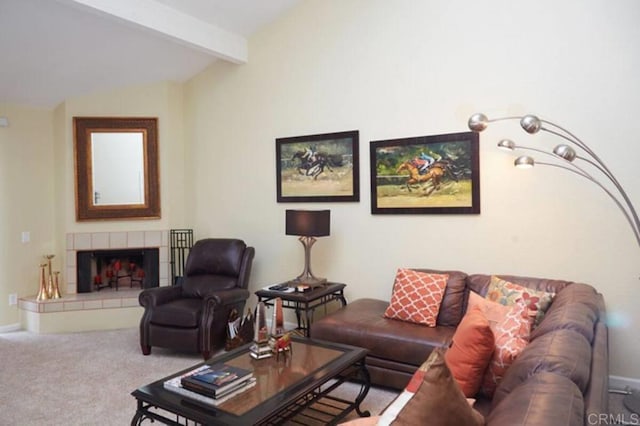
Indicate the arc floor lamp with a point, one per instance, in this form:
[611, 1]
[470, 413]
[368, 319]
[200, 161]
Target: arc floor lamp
[584, 163]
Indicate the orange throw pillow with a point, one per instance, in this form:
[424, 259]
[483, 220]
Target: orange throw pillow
[416, 297]
[512, 336]
[470, 352]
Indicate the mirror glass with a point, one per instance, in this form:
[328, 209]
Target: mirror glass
[116, 168]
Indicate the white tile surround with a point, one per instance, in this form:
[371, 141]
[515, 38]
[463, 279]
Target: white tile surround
[106, 299]
[115, 240]
[81, 311]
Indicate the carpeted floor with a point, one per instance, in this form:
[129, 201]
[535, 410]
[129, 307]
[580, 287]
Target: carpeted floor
[87, 378]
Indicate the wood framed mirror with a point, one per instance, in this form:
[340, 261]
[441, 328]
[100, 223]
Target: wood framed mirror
[116, 168]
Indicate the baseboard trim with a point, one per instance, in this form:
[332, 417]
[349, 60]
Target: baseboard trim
[623, 383]
[11, 327]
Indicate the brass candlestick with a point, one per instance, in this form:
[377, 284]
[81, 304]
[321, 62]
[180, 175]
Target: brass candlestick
[42, 292]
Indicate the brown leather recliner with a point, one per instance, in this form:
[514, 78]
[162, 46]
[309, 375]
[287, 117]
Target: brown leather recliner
[192, 315]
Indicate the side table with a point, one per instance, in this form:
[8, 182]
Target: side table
[305, 302]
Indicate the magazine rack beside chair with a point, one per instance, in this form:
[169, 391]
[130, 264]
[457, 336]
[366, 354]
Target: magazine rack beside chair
[192, 315]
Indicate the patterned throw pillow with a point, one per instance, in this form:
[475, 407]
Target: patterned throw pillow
[416, 297]
[507, 293]
[511, 337]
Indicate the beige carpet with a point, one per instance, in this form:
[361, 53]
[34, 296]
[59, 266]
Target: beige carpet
[87, 378]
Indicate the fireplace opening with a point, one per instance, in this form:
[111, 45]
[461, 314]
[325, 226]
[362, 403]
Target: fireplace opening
[117, 269]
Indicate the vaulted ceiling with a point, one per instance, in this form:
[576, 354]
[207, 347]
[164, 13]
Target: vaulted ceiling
[52, 50]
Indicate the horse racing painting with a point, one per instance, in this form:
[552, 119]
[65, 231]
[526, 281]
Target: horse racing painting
[429, 174]
[314, 168]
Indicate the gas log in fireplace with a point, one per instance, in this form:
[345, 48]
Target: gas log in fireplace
[117, 269]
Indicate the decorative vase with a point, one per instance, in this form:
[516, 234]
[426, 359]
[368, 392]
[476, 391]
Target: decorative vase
[42, 292]
[50, 289]
[55, 294]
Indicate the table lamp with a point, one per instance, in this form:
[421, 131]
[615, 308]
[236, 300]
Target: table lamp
[308, 224]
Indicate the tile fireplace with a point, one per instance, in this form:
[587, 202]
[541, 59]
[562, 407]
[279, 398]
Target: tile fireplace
[82, 307]
[139, 247]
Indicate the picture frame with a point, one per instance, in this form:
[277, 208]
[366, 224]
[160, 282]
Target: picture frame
[318, 168]
[438, 174]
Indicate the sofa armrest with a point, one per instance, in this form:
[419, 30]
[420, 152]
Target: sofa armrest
[159, 295]
[596, 398]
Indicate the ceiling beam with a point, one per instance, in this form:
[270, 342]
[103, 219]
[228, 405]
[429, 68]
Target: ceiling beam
[178, 26]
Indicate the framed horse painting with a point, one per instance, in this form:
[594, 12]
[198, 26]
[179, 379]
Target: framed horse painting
[429, 174]
[315, 168]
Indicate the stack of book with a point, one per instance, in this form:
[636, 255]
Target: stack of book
[212, 384]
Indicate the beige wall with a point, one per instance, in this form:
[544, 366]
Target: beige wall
[390, 70]
[407, 68]
[26, 202]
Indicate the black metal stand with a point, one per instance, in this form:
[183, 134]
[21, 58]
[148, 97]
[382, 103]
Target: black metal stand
[305, 302]
[181, 243]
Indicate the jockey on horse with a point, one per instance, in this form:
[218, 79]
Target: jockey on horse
[423, 162]
[310, 155]
[312, 162]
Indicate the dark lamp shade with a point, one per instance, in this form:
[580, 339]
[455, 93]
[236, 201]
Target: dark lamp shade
[308, 223]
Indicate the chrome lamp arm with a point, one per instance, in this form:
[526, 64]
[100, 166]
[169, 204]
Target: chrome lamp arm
[532, 124]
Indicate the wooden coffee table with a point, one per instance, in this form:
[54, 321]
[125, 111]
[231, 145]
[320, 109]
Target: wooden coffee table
[296, 388]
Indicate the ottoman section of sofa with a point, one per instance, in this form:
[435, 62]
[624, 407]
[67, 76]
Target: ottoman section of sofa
[362, 323]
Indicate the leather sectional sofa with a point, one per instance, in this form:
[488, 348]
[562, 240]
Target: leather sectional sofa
[561, 377]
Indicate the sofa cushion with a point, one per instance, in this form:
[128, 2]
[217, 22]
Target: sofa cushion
[452, 308]
[571, 316]
[416, 297]
[581, 293]
[508, 293]
[543, 399]
[512, 336]
[361, 323]
[470, 352]
[562, 352]
[432, 397]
